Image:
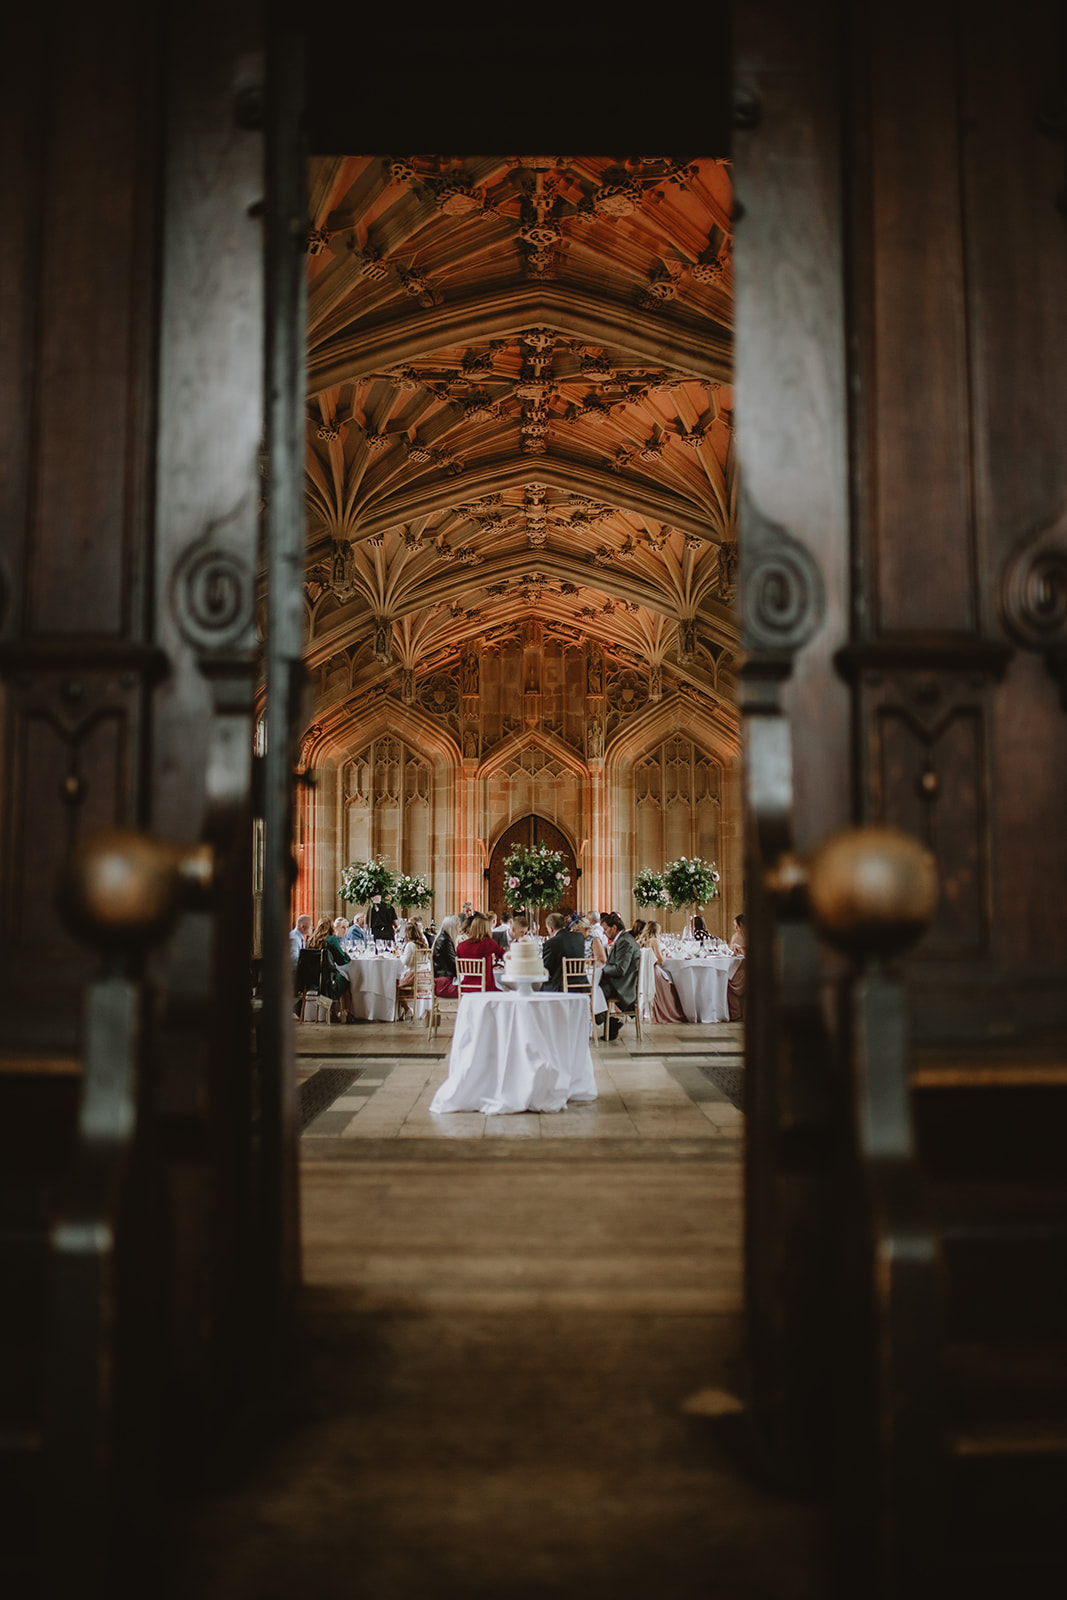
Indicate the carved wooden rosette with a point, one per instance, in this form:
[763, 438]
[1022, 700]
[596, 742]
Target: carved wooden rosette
[1033, 595]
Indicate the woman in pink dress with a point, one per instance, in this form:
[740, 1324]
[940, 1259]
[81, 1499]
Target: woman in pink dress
[665, 1007]
[480, 942]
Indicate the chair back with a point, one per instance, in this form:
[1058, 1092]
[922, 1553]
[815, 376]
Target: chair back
[309, 970]
[575, 975]
[470, 971]
[423, 976]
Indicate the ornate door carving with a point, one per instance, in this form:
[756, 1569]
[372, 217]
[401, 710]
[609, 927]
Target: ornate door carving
[903, 553]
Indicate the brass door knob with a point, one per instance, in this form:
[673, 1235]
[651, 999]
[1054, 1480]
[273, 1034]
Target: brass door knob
[872, 891]
[125, 888]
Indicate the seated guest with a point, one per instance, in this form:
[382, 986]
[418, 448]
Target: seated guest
[298, 937]
[333, 982]
[502, 932]
[414, 942]
[665, 1007]
[480, 942]
[444, 959]
[620, 972]
[700, 929]
[358, 937]
[341, 926]
[595, 952]
[520, 926]
[735, 989]
[466, 912]
[562, 941]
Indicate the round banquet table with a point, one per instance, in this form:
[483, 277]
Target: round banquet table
[515, 1052]
[374, 980]
[701, 985]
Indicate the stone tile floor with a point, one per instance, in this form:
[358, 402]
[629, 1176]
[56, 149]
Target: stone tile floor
[512, 1341]
[651, 1090]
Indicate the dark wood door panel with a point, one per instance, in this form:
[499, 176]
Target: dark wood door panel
[529, 830]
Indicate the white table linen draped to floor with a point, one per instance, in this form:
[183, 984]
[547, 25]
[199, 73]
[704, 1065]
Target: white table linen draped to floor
[514, 1052]
[646, 983]
[701, 986]
[374, 980]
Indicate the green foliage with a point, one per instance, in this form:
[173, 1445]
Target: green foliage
[691, 882]
[362, 880]
[535, 877]
[651, 890]
[412, 892]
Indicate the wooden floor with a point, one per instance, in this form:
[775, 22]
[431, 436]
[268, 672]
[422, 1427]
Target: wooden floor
[511, 1337]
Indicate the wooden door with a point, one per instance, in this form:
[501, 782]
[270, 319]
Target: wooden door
[900, 395]
[133, 360]
[528, 831]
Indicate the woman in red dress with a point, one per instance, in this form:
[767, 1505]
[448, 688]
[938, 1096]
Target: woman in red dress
[480, 942]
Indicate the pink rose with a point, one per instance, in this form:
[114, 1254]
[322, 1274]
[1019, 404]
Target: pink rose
[375, 899]
[513, 883]
[567, 878]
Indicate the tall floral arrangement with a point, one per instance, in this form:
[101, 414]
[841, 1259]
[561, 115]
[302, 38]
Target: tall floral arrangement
[362, 880]
[411, 891]
[650, 889]
[535, 876]
[691, 881]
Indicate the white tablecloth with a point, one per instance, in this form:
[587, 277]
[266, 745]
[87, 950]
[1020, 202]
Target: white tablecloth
[374, 980]
[513, 1052]
[646, 983]
[701, 986]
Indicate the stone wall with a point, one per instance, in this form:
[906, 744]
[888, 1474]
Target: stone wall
[429, 770]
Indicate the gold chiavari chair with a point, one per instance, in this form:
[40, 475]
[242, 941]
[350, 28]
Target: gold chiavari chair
[470, 974]
[470, 978]
[613, 1009]
[423, 991]
[578, 979]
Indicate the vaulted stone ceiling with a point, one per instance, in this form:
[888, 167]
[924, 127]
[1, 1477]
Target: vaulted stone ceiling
[520, 408]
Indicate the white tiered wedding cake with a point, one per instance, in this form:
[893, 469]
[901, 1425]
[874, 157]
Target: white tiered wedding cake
[524, 963]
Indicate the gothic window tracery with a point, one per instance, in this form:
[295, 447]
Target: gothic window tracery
[387, 796]
[677, 792]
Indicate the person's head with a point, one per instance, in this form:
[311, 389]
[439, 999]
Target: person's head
[303, 924]
[360, 920]
[449, 926]
[651, 931]
[581, 925]
[520, 926]
[612, 924]
[466, 909]
[323, 929]
[479, 927]
[554, 921]
[414, 932]
[739, 922]
[341, 926]
[638, 927]
[698, 927]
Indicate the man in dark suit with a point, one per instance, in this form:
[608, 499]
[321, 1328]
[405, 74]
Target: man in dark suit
[382, 919]
[620, 972]
[561, 942]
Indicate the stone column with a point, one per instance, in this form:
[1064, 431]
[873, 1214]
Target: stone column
[468, 885]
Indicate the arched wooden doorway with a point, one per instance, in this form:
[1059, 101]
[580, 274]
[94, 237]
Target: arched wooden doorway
[529, 830]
